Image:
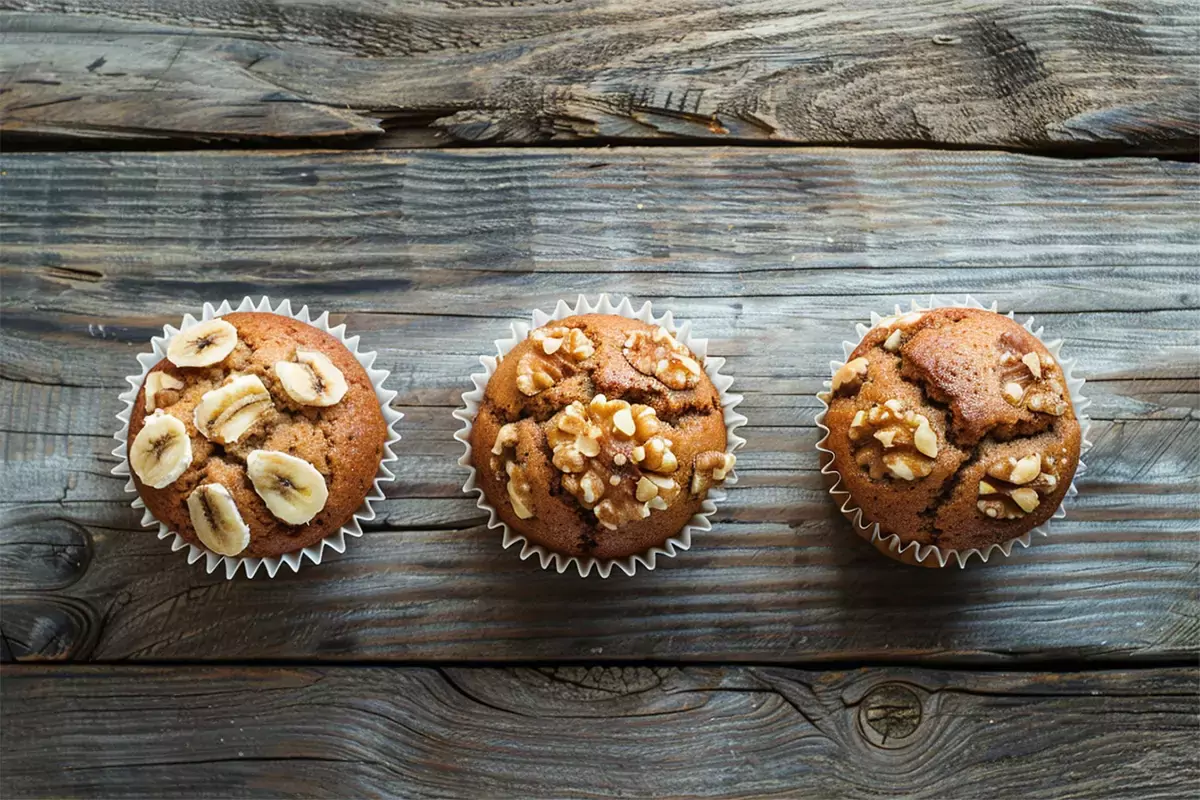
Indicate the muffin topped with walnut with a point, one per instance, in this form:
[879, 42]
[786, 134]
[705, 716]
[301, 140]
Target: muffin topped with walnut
[256, 436]
[953, 427]
[599, 436]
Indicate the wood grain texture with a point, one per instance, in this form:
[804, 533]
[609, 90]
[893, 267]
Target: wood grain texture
[478, 223]
[597, 732]
[428, 255]
[1047, 75]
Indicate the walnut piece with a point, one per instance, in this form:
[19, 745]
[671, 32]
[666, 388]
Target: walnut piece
[573, 342]
[1033, 381]
[538, 371]
[520, 493]
[660, 354]
[891, 440]
[1015, 487]
[614, 460]
[899, 325]
[711, 467]
[850, 376]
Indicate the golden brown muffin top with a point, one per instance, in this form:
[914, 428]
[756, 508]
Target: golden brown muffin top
[599, 436]
[343, 441]
[953, 427]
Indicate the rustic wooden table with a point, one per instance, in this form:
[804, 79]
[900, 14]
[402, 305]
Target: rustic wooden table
[772, 171]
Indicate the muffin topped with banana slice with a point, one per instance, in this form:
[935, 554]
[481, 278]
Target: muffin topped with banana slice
[256, 436]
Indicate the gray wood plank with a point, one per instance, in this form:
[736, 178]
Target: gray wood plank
[429, 255]
[1046, 75]
[597, 732]
[500, 218]
[780, 578]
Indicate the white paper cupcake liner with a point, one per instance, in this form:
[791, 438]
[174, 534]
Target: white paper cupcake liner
[712, 366]
[932, 555]
[335, 541]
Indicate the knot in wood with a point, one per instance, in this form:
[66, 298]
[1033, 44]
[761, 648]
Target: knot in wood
[889, 715]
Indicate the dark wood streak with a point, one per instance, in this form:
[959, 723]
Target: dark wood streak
[714, 732]
[1045, 75]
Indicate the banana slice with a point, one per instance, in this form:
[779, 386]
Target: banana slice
[313, 381]
[225, 413]
[217, 521]
[155, 383]
[161, 451]
[202, 345]
[291, 487]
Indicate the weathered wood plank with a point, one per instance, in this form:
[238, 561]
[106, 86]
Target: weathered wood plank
[780, 577]
[597, 732]
[429, 255]
[437, 352]
[499, 218]
[1042, 75]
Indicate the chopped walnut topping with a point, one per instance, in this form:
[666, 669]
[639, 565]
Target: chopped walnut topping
[656, 455]
[537, 372]
[1033, 381]
[660, 354]
[892, 440]
[574, 438]
[573, 342]
[520, 493]
[1017, 470]
[1034, 364]
[1015, 487]
[614, 461]
[899, 324]
[711, 467]
[850, 376]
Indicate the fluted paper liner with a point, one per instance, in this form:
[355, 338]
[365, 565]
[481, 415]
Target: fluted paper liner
[931, 555]
[335, 541]
[698, 522]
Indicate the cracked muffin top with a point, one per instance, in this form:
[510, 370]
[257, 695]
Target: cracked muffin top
[953, 427]
[256, 436]
[599, 436]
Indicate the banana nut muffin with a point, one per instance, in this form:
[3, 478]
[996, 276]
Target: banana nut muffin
[953, 427]
[256, 436]
[599, 436]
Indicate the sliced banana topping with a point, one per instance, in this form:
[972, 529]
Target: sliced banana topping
[161, 451]
[217, 521]
[292, 488]
[225, 413]
[312, 379]
[157, 382]
[202, 345]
